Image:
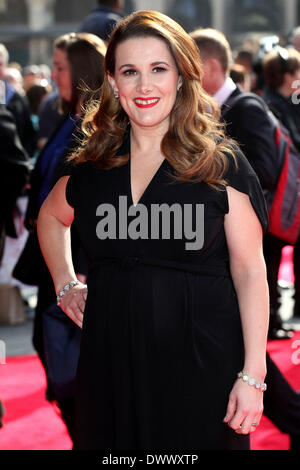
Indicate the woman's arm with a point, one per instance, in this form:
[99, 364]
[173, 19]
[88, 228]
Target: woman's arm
[248, 270]
[53, 227]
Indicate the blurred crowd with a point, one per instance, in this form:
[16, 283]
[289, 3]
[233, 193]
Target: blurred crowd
[40, 125]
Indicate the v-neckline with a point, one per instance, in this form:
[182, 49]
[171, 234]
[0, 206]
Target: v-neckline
[149, 185]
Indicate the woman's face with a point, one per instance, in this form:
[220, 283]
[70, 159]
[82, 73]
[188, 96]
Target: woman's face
[61, 73]
[147, 80]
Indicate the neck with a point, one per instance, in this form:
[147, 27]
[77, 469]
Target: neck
[147, 140]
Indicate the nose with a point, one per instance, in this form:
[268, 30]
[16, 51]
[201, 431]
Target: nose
[144, 84]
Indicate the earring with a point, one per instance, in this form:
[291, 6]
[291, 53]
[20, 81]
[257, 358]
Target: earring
[116, 94]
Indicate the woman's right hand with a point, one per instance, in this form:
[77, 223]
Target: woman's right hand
[73, 303]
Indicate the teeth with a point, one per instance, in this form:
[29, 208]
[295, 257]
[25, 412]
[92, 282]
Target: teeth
[147, 101]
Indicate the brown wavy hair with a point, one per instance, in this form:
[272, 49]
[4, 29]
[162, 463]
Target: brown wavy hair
[195, 144]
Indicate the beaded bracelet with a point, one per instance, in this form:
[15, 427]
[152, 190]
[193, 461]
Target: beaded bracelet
[254, 383]
[64, 290]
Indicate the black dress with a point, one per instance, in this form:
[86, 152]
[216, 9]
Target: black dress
[161, 340]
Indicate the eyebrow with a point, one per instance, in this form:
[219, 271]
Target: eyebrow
[159, 62]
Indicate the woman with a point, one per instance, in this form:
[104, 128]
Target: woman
[281, 68]
[162, 338]
[78, 70]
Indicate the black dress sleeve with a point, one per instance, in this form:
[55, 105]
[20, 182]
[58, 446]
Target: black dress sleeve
[70, 191]
[73, 171]
[242, 177]
[79, 256]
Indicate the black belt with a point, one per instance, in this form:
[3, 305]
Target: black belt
[129, 262]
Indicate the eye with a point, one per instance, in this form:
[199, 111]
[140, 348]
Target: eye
[129, 72]
[159, 69]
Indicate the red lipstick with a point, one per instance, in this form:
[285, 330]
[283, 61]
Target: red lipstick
[146, 102]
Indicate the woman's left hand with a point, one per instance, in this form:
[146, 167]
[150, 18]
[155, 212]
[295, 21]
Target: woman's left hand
[245, 408]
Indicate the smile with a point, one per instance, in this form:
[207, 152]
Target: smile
[143, 103]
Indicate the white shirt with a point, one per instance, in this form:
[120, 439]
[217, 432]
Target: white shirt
[225, 91]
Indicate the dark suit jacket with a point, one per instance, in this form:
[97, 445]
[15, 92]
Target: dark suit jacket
[101, 21]
[19, 108]
[248, 124]
[286, 111]
[14, 169]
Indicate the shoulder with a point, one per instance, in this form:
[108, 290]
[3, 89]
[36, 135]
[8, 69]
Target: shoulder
[76, 170]
[241, 177]
[237, 165]
[243, 100]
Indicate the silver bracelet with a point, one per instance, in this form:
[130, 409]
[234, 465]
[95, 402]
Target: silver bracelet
[254, 383]
[64, 290]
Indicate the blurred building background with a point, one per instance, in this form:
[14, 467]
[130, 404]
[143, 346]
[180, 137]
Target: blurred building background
[28, 27]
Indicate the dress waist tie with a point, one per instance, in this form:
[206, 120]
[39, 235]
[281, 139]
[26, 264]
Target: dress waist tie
[129, 262]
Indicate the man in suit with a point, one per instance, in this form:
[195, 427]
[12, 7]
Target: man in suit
[248, 123]
[17, 105]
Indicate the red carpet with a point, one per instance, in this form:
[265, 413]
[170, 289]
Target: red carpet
[32, 423]
[286, 355]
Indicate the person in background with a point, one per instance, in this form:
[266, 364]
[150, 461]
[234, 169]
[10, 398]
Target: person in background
[239, 75]
[282, 402]
[14, 170]
[102, 20]
[36, 94]
[245, 58]
[78, 72]
[49, 117]
[17, 105]
[31, 73]
[281, 68]
[14, 77]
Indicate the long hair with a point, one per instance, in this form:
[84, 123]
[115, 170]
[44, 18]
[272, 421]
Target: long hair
[85, 53]
[194, 144]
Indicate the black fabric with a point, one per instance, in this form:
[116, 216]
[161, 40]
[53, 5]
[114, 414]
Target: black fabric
[161, 343]
[282, 402]
[29, 264]
[62, 343]
[101, 21]
[19, 107]
[14, 167]
[248, 123]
